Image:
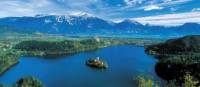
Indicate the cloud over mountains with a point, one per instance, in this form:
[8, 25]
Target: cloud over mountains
[143, 10]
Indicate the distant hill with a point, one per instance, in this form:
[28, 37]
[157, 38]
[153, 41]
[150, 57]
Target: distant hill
[89, 25]
[175, 46]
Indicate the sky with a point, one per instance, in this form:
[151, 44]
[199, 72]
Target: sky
[155, 12]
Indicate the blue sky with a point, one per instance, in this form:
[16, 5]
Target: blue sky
[145, 11]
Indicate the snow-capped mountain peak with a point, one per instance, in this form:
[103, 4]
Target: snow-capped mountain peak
[84, 23]
[131, 21]
[82, 14]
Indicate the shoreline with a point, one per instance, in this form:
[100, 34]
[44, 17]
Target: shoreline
[9, 67]
[85, 49]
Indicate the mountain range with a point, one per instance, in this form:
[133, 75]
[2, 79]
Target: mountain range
[90, 25]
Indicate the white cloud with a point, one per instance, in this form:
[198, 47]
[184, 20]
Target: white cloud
[171, 19]
[27, 8]
[167, 1]
[195, 9]
[131, 3]
[34, 7]
[152, 7]
[155, 5]
[99, 8]
[160, 3]
[173, 9]
[171, 2]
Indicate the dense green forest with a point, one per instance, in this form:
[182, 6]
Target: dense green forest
[58, 48]
[8, 56]
[28, 81]
[177, 57]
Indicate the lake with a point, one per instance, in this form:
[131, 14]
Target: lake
[125, 63]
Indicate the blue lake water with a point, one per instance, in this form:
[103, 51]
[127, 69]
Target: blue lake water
[125, 63]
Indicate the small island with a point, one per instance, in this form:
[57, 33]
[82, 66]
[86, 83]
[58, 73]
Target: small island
[97, 63]
[29, 82]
